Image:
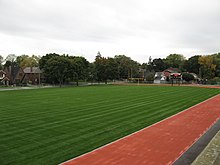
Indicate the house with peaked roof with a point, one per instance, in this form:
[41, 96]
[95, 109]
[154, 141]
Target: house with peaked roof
[17, 76]
[4, 80]
[159, 78]
[167, 72]
[32, 75]
[163, 77]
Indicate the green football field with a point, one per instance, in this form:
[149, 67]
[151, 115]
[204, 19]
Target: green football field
[49, 126]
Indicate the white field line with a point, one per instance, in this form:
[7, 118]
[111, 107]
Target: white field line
[139, 131]
[185, 149]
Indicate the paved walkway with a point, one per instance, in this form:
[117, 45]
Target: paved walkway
[23, 88]
[161, 143]
[211, 154]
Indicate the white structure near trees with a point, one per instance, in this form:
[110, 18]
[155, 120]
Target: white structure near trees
[3, 78]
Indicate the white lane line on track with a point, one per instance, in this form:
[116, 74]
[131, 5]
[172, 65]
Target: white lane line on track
[195, 140]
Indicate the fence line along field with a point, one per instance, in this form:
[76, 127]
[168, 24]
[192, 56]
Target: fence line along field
[49, 126]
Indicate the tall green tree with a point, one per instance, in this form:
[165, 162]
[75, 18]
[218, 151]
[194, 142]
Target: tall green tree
[159, 65]
[192, 64]
[79, 68]
[127, 68]
[175, 60]
[44, 59]
[105, 68]
[111, 68]
[57, 69]
[92, 72]
[43, 64]
[101, 68]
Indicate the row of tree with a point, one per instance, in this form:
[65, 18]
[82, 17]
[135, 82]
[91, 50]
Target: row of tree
[64, 68]
[206, 66]
[22, 61]
[59, 69]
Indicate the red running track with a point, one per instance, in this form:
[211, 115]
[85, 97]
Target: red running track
[161, 143]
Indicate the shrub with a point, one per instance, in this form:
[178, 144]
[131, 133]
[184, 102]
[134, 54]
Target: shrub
[187, 77]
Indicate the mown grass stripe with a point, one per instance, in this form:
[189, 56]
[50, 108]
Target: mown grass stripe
[49, 126]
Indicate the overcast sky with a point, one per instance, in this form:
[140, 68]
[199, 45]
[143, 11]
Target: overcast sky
[136, 28]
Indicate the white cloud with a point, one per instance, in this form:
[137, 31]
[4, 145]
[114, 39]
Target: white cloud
[138, 29]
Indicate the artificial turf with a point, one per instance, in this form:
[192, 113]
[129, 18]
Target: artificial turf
[49, 126]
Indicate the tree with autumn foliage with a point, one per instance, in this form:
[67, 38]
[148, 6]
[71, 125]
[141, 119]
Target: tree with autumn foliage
[28, 61]
[207, 66]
